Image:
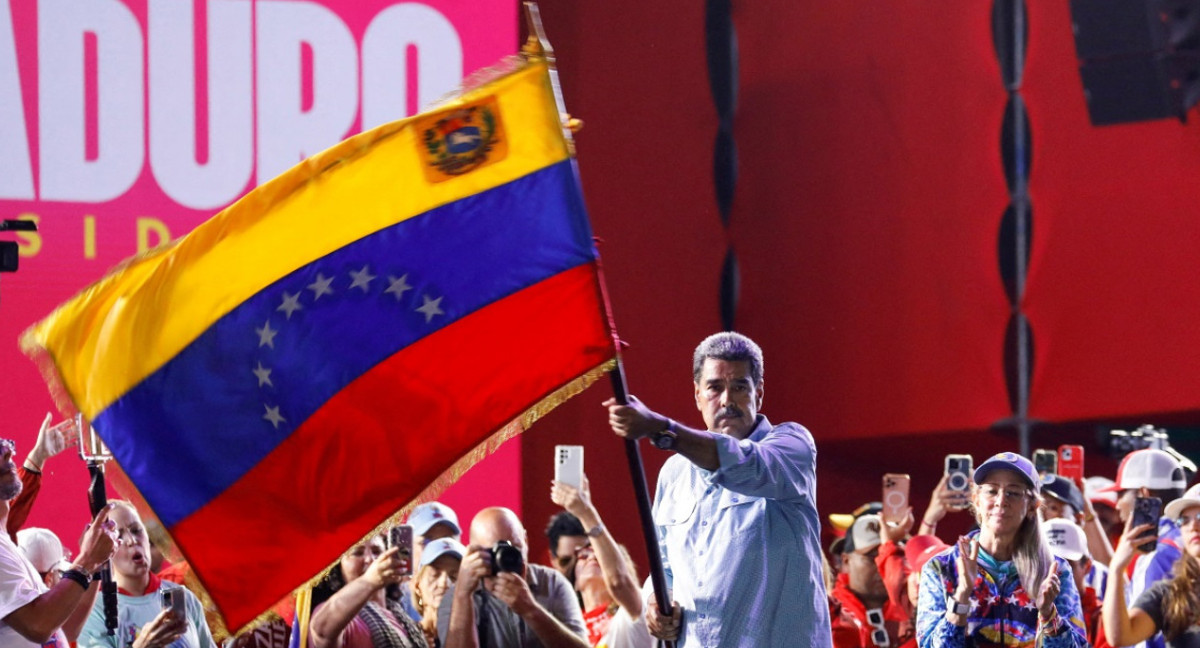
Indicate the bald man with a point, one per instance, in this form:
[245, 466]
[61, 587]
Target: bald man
[530, 607]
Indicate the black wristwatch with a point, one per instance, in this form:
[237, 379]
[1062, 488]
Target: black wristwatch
[666, 438]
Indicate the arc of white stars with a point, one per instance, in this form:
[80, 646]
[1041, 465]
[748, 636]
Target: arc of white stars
[322, 286]
[398, 286]
[362, 279]
[291, 304]
[430, 307]
[266, 335]
[273, 416]
[264, 375]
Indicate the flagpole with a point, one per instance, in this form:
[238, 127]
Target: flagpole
[538, 45]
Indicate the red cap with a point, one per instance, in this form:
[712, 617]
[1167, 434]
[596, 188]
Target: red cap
[919, 549]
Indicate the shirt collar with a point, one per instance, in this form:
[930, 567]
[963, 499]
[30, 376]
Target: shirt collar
[151, 587]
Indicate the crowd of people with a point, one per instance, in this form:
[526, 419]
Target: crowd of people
[1050, 561]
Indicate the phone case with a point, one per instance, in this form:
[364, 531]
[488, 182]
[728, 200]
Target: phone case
[1147, 510]
[1045, 462]
[1070, 462]
[895, 497]
[959, 468]
[568, 464]
[402, 536]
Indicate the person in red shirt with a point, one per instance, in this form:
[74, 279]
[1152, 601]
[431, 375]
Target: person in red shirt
[870, 604]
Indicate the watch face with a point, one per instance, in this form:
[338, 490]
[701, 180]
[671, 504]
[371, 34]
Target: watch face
[663, 441]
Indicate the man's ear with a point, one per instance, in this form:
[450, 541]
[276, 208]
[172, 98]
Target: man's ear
[759, 392]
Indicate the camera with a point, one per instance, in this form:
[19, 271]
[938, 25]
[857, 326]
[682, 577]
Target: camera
[958, 470]
[506, 558]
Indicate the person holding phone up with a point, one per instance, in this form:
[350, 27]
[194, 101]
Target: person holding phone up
[359, 614]
[144, 622]
[1000, 585]
[1170, 606]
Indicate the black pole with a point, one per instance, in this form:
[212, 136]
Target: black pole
[98, 500]
[633, 454]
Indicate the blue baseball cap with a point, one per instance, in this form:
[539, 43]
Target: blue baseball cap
[1009, 461]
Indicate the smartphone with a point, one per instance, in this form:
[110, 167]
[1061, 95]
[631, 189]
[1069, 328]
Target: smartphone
[172, 599]
[959, 469]
[402, 536]
[1070, 463]
[1147, 510]
[1045, 462]
[895, 497]
[568, 464]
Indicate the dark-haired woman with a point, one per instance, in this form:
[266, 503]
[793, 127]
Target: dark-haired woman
[1170, 606]
[359, 614]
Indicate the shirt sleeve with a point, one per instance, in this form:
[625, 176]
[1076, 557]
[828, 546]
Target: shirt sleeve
[1150, 602]
[1070, 611]
[781, 466]
[894, 571]
[16, 590]
[195, 612]
[564, 605]
[22, 504]
[934, 630]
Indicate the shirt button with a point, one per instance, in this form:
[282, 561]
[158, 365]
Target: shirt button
[735, 499]
[704, 523]
[703, 616]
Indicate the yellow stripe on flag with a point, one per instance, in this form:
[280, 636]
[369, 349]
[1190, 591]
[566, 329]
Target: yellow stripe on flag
[121, 329]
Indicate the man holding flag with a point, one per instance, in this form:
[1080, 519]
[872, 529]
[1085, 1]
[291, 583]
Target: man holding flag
[735, 511]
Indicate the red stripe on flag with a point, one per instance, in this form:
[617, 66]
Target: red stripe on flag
[400, 426]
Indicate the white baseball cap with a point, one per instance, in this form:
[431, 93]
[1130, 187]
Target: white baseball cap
[1095, 490]
[1065, 538]
[41, 547]
[864, 535]
[441, 547]
[1176, 507]
[426, 515]
[1149, 468]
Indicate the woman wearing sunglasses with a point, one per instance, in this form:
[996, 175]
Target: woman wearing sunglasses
[1170, 606]
[1000, 585]
[604, 577]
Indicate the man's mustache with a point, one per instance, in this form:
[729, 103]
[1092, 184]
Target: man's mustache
[729, 411]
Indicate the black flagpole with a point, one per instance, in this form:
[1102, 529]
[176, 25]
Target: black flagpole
[538, 45]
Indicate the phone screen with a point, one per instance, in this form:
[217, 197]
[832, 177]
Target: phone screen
[1147, 510]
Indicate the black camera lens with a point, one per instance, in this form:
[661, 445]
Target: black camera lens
[507, 558]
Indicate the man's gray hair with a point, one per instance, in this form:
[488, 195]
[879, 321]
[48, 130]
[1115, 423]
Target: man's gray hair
[730, 347]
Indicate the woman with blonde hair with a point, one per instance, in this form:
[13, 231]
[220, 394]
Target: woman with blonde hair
[1000, 585]
[1170, 606]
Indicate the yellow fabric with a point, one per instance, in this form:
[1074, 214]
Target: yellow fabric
[121, 329]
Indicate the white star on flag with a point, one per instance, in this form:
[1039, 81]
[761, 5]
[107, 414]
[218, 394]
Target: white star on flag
[264, 375]
[266, 336]
[273, 416]
[362, 279]
[291, 304]
[321, 286]
[430, 307]
[398, 286]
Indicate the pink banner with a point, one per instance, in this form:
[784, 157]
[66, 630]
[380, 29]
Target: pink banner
[139, 119]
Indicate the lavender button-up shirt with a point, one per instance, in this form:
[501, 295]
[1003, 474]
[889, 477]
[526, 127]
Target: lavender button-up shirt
[741, 544]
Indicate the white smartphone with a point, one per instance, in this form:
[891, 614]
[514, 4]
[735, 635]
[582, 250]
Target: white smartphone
[568, 464]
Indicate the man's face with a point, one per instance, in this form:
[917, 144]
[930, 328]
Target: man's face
[10, 483]
[864, 574]
[727, 397]
[1052, 509]
[1125, 503]
[564, 554]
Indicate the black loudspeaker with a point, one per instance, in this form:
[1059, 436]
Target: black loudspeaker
[1138, 59]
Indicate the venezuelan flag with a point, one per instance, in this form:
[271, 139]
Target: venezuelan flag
[345, 339]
